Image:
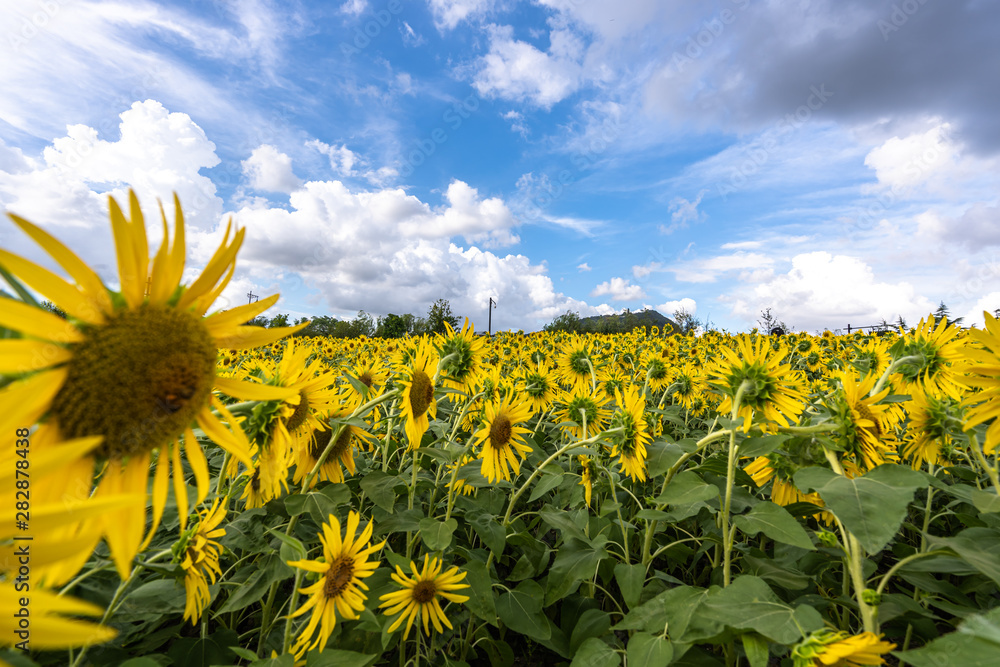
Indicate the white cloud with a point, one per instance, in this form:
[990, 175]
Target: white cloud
[583, 267]
[619, 289]
[822, 290]
[410, 36]
[449, 13]
[990, 303]
[354, 7]
[752, 266]
[270, 170]
[342, 159]
[683, 212]
[741, 245]
[978, 227]
[669, 307]
[516, 70]
[903, 164]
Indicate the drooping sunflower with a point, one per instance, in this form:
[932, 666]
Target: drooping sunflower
[417, 400]
[136, 367]
[341, 456]
[772, 389]
[502, 439]
[339, 589]
[421, 595]
[200, 559]
[459, 485]
[588, 472]
[832, 648]
[984, 375]
[630, 445]
[539, 386]
[577, 366]
[935, 421]
[866, 428]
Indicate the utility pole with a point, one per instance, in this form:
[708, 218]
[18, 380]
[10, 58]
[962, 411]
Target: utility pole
[489, 318]
[251, 297]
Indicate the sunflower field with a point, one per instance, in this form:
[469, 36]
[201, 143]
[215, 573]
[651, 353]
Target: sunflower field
[188, 490]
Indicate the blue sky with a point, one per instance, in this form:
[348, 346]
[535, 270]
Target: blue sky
[834, 161]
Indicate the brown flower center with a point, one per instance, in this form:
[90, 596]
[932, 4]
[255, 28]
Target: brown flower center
[298, 418]
[424, 592]
[338, 576]
[421, 393]
[500, 432]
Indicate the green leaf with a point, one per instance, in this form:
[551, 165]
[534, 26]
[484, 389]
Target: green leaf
[575, 562]
[381, 488]
[592, 623]
[521, 610]
[286, 660]
[547, 482]
[976, 643]
[750, 604]
[672, 609]
[650, 514]
[687, 488]
[872, 507]
[213, 650]
[661, 456]
[337, 658]
[776, 523]
[976, 546]
[762, 446]
[563, 521]
[649, 650]
[297, 549]
[630, 580]
[406, 521]
[437, 534]
[595, 653]
[164, 595]
[488, 529]
[756, 648]
[244, 653]
[481, 600]
[986, 501]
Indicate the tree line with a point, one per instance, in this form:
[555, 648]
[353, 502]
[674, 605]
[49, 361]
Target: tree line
[388, 326]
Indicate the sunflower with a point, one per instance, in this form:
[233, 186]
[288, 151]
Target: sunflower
[417, 401]
[630, 444]
[588, 473]
[137, 367]
[935, 421]
[370, 374]
[201, 559]
[502, 439]
[577, 367]
[936, 353]
[772, 388]
[462, 352]
[580, 405]
[341, 456]
[985, 376]
[539, 387]
[866, 429]
[460, 485]
[343, 566]
[775, 469]
[421, 595]
[832, 648]
[689, 384]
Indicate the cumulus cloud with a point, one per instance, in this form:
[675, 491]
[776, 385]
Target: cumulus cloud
[270, 170]
[583, 267]
[905, 163]
[619, 289]
[342, 159]
[449, 13]
[978, 227]
[670, 307]
[516, 70]
[683, 212]
[822, 290]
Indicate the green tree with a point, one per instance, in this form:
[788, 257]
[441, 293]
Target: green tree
[259, 321]
[568, 321]
[392, 326]
[439, 314]
[686, 322]
[942, 313]
[279, 320]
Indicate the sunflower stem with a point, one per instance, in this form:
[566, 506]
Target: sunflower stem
[991, 471]
[727, 531]
[618, 509]
[888, 371]
[286, 642]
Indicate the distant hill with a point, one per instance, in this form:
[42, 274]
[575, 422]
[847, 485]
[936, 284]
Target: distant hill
[637, 318]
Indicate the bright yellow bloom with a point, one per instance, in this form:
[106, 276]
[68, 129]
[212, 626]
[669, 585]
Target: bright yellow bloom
[502, 440]
[830, 648]
[421, 595]
[417, 401]
[137, 367]
[341, 456]
[50, 624]
[630, 444]
[866, 427]
[984, 375]
[936, 353]
[201, 560]
[338, 592]
[934, 423]
[581, 406]
[577, 365]
[462, 352]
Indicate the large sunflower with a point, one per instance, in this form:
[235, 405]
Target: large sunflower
[935, 352]
[339, 589]
[866, 427]
[985, 376]
[462, 351]
[417, 401]
[630, 443]
[421, 595]
[773, 389]
[136, 367]
[502, 440]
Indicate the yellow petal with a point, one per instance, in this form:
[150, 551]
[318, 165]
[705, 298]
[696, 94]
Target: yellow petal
[199, 466]
[37, 323]
[132, 284]
[66, 296]
[252, 391]
[180, 486]
[233, 441]
[45, 518]
[140, 245]
[23, 356]
[26, 400]
[84, 276]
[216, 267]
[220, 324]
[246, 337]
